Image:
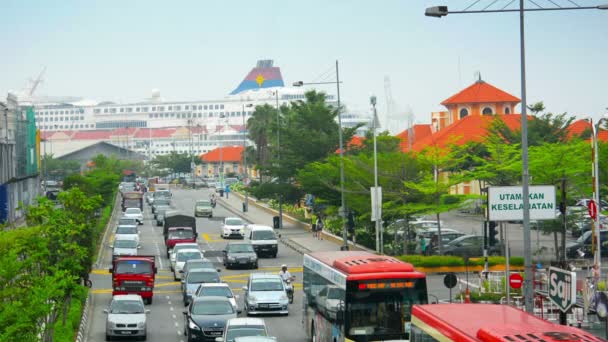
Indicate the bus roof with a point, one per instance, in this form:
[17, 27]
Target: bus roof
[361, 265]
[491, 323]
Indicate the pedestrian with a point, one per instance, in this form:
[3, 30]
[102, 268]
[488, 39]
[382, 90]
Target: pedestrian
[314, 225]
[422, 245]
[227, 191]
[320, 226]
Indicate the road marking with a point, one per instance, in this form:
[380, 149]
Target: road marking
[167, 297]
[111, 238]
[171, 309]
[174, 317]
[169, 302]
[173, 283]
[160, 259]
[206, 237]
[176, 325]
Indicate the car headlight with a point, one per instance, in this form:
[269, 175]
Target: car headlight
[231, 258]
[193, 325]
[252, 299]
[141, 325]
[253, 258]
[283, 298]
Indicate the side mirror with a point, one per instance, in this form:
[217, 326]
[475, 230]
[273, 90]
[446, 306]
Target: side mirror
[244, 288]
[105, 311]
[139, 247]
[147, 311]
[181, 271]
[110, 269]
[155, 270]
[239, 311]
[111, 246]
[279, 236]
[224, 251]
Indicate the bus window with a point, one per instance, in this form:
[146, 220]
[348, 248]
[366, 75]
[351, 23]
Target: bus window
[417, 335]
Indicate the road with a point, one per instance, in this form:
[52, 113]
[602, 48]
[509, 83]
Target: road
[165, 322]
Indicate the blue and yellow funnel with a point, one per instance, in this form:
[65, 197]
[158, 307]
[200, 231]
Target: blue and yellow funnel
[264, 75]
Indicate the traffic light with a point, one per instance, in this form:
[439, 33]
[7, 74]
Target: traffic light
[492, 232]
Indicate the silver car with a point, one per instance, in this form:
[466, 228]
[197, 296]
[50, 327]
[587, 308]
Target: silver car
[126, 317]
[126, 245]
[217, 289]
[194, 279]
[265, 293]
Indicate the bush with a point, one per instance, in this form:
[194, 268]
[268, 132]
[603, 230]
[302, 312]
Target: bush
[445, 260]
[67, 331]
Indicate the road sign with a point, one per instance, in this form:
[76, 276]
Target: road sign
[516, 280]
[562, 288]
[450, 280]
[505, 203]
[592, 209]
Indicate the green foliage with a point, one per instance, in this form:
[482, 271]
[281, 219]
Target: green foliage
[57, 168]
[176, 162]
[289, 192]
[67, 331]
[445, 260]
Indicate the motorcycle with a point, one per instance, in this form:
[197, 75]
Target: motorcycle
[289, 289]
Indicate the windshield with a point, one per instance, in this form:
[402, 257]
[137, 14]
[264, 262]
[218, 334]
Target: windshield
[181, 234]
[584, 237]
[212, 308]
[203, 203]
[241, 331]
[133, 267]
[179, 247]
[267, 285]
[234, 222]
[133, 211]
[240, 248]
[263, 235]
[126, 307]
[384, 312]
[220, 291]
[198, 264]
[162, 193]
[183, 256]
[203, 277]
[126, 230]
[125, 244]
[459, 240]
[161, 202]
[127, 221]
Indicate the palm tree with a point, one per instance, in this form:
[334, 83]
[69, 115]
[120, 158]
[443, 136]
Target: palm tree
[259, 127]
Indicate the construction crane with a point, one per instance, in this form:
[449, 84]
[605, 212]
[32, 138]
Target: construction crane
[395, 119]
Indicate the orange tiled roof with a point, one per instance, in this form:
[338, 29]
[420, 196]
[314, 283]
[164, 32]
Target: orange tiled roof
[480, 91]
[579, 126]
[356, 141]
[420, 132]
[154, 133]
[91, 135]
[467, 129]
[229, 154]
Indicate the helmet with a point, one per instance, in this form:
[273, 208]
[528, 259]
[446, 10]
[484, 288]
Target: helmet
[283, 266]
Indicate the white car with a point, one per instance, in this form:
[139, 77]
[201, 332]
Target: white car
[127, 232]
[329, 299]
[177, 247]
[233, 227]
[126, 317]
[181, 257]
[217, 289]
[134, 213]
[125, 245]
[243, 327]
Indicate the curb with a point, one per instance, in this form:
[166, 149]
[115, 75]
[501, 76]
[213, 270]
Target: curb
[81, 336]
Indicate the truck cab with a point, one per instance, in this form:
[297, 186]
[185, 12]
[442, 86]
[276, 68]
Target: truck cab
[134, 275]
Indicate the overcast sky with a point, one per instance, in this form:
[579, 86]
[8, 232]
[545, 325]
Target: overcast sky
[120, 50]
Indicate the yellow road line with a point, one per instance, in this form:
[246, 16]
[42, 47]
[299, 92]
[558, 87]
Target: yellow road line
[206, 237]
[236, 289]
[173, 283]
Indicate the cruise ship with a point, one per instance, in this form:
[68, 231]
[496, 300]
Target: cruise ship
[156, 126]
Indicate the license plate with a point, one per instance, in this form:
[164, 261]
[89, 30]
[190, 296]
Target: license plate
[126, 332]
[263, 305]
[243, 262]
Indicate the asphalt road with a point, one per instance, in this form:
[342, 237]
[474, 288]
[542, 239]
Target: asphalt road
[166, 322]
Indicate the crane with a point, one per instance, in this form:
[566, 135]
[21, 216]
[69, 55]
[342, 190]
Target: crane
[34, 83]
[394, 118]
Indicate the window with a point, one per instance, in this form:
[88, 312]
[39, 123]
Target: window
[177, 108]
[205, 107]
[200, 107]
[507, 110]
[487, 111]
[122, 110]
[217, 107]
[144, 109]
[153, 109]
[463, 112]
[187, 107]
[137, 109]
[105, 110]
[170, 108]
[221, 106]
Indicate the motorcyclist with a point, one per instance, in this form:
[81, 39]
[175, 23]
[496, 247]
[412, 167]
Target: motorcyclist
[213, 199]
[284, 274]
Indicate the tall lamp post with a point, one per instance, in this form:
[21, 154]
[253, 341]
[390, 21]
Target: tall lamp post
[342, 210]
[276, 96]
[376, 193]
[595, 128]
[442, 11]
[221, 168]
[246, 179]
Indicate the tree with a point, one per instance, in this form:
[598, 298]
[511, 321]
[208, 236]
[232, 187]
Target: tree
[57, 168]
[176, 162]
[259, 127]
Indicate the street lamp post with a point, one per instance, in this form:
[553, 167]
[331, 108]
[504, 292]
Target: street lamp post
[342, 210]
[595, 127]
[378, 200]
[276, 96]
[441, 11]
[246, 179]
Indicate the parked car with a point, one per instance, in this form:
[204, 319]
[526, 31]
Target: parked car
[265, 293]
[180, 259]
[585, 203]
[263, 239]
[126, 317]
[447, 235]
[206, 318]
[240, 254]
[178, 247]
[127, 232]
[203, 208]
[233, 227]
[217, 289]
[125, 245]
[243, 327]
[468, 245]
[197, 263]
[194, 278]
[583, 244]
[134, 213]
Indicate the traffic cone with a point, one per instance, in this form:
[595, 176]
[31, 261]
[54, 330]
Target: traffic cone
[467, 296]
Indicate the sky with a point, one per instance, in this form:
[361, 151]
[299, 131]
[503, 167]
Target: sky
[201, 50]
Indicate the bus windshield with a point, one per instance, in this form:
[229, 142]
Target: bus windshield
[380, 312]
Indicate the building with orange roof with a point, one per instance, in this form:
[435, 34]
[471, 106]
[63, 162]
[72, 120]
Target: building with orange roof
[231, 157]
[410, 136]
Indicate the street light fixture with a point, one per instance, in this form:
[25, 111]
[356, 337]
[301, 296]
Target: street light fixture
[342, 211]
[441, 11]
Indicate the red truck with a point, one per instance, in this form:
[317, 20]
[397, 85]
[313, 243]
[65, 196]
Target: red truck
[133, 200]
[179, 235]
[134, 275]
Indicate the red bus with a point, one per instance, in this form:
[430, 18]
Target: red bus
[359, 296]
[487, 323]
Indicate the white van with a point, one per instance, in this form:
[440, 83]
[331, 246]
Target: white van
[263, 239]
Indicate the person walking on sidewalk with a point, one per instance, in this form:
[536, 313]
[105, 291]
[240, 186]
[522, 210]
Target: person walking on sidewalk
[227, 191]
[423, 245]
[313, 221]
[320, 226]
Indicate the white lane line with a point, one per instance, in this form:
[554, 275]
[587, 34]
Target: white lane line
[160, 259]
[176, 325]
[168, 297]
[174, 317]
[169, 302]
[171, 309]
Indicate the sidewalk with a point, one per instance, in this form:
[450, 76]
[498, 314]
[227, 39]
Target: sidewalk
[294, 234]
